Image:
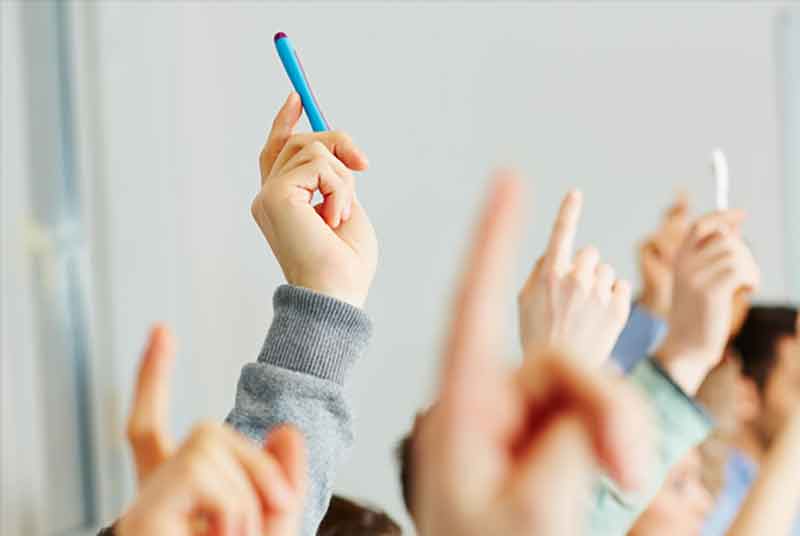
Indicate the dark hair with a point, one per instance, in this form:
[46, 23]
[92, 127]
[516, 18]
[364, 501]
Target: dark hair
[757, 342]
[349, 518]
[404, 460]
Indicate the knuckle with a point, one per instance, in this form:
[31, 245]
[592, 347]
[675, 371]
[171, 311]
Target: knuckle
[551, 279]
[729, 243]
[601, 292]
[205, 432]
[138, 432]
[573, 279]
[318, 148]
[261, 207]
[606, 271]
[320, 161]
[348, 184]
[191, 468]
[342, 136]
[576, 287]
[621, 299]
[623, 288]
[295, 141]
[255, 207]
[591, 252]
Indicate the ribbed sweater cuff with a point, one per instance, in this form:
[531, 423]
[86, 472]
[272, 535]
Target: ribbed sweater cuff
[315, 334]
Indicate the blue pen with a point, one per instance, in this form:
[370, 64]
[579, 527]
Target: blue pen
[293, 67]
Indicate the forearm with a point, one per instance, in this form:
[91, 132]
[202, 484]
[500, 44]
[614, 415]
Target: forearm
[772, 503]
[310, 348]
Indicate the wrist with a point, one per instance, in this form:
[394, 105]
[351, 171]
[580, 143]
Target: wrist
[356, 299]
[654, 303]
[686, 365]
[350, 294]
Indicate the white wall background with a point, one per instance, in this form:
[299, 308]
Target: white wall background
[622, 101]
[20, 446]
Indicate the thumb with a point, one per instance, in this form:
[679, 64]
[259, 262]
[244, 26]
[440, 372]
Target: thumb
[286, 445]
[560, 465]
[147, 420]
[620, 433]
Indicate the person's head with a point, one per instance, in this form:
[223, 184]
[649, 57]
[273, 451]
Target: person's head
[349, 518]
[681, 505]
[768, 351]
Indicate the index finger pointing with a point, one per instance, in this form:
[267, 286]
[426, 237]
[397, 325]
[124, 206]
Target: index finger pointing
[477, 323]
[562, 238]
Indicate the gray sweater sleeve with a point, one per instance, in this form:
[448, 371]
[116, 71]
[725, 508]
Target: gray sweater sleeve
[312, 344]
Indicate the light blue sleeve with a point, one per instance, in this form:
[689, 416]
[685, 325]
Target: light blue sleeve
[739, 476]
[643, 332]
[730, 502]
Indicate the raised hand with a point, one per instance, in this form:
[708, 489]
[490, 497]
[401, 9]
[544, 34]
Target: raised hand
[217, 481]
[574, 304]
[657, 257]
[713, 269]
[330, 248]
[506, 451]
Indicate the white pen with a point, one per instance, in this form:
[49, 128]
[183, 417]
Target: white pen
[719, 168]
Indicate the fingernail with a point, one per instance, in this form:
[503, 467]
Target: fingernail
[347, 211]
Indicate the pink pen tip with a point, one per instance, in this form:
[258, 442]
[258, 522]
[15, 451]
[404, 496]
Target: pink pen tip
[279, 35]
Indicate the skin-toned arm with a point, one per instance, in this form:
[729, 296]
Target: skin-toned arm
[574, 304]
[512, 451]
[217, 479]
[771, 504]
[712, 266]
